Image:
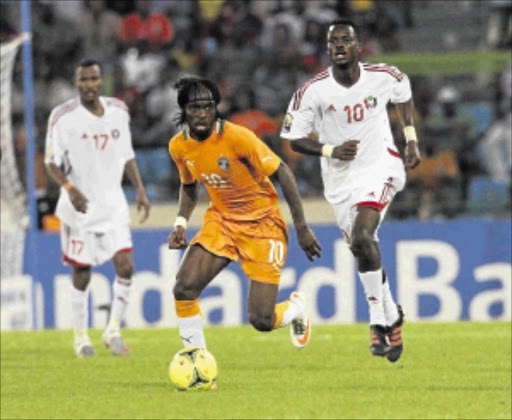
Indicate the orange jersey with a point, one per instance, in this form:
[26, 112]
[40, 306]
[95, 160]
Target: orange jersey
[234, 165]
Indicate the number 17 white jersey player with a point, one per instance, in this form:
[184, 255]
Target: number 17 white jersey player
[88, 149]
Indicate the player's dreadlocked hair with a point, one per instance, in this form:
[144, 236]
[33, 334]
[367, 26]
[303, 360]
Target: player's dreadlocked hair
[192, 89]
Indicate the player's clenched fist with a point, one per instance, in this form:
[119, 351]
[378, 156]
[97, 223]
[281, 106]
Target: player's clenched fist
[346, 151]
[177, 239]
[78, 200]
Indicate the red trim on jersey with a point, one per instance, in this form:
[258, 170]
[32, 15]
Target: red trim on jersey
[72, 262]
[394, 153]
[300, 93]
[117, 103]
[393, 71]
[372, 204]
[63, 109]
[124, 250]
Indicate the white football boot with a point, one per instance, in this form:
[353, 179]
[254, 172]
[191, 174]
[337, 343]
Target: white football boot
[84, 348]
[300, 327]
[113, 341]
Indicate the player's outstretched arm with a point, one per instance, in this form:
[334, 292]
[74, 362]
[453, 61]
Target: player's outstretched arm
[305, 236]
[187, 203]
[405, 111]
[132, 171]
[77, 198]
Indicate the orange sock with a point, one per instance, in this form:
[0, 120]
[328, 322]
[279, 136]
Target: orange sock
[187, 308]
[279, 311]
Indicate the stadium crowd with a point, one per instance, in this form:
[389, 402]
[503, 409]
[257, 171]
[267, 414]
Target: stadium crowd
[258, 52]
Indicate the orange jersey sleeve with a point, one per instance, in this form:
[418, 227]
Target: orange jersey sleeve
[234, 165]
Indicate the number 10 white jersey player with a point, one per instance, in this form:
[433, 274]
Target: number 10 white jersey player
[345, 106]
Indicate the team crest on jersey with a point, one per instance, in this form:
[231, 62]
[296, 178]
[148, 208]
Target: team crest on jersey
[223, 163]
[115, 133]
[370, 102]
[287, 122]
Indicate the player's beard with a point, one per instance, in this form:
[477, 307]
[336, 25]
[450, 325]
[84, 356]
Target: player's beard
[201, 134]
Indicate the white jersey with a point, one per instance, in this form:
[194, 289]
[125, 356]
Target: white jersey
[92, 151]
[338, 114]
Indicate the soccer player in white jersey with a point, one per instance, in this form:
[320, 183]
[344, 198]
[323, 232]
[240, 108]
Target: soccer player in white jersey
[88, 149]
[345, 106]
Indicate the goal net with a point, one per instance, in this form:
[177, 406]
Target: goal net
[14, 214]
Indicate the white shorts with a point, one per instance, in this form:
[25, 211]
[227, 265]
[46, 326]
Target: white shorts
[82, 248]
[376, 194]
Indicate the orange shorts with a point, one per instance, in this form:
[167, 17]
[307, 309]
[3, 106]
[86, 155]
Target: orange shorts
[259, 245]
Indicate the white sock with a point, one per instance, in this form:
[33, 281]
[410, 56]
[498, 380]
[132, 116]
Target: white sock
[120, 299]
[80, 310]
[294, 310]
[390, 309]
[372, 282]
[191, 331]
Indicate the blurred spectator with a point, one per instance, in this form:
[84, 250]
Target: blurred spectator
[141, 67]
[98, 32]
[55, 42]
[68, 11]
[162, 107]
[235, 20]
[7, 29]
[312, 47]
[499, 25]
[143, 26]
[449, 128]
[382, 27]
[447, 139]
[245, 112]
[496, 148]
[288, 14]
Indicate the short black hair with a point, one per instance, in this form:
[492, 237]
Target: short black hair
[345, 22]
[88, 62]
[190, 88]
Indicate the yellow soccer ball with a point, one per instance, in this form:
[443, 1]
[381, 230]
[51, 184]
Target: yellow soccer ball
[193, 368]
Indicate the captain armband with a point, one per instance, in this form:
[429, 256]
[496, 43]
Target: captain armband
[410, 134]
[327, 150]
[180, 221]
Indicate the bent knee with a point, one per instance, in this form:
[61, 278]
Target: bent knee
[125, 271]
[361, 241]
[261, 322]
[184, 291]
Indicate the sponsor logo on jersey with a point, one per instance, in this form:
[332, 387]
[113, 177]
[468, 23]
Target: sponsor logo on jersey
[223, 163]
[85, 136]
[115, 133]
[331, 108]
[287, 122]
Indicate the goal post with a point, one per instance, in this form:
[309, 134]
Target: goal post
[19, 227]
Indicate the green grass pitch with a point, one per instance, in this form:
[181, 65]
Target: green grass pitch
[448, 371]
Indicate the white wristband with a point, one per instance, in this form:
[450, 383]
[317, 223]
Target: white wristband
[327, 150]
[410, 133]
[180, 221]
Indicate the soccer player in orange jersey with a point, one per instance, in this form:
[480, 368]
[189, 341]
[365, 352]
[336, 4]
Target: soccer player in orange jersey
[243, 222]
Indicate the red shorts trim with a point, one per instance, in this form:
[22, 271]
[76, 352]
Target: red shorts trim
[372, 204]
[124, 250]
[72, 262]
